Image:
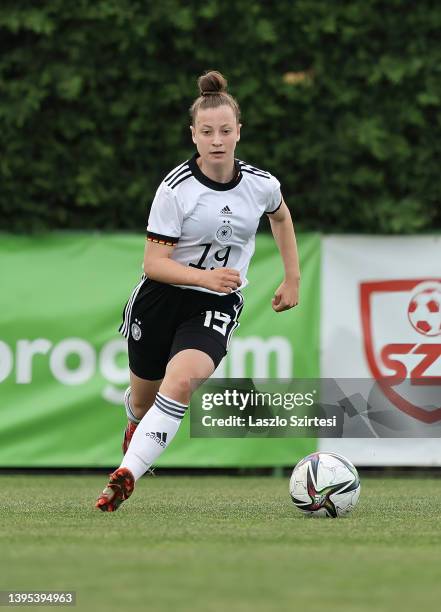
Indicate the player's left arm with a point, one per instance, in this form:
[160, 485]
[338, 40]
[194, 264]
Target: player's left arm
[286, 295]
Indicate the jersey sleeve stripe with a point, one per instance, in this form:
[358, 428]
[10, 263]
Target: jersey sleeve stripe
[161, 239]
[179, 180]
[249, 168]
[267, 176]
[271, 212]
[171, 174]
[177, 174]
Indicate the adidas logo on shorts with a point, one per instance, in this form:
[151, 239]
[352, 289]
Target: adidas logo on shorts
[160, 438]
[226, 211]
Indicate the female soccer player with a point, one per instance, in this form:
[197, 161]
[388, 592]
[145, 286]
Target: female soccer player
[180, 318]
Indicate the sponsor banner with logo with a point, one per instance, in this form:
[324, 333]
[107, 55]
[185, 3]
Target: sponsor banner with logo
[63, 366]
[381, 318]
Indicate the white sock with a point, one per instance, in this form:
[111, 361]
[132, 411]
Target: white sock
[128, 408]
[154, 433]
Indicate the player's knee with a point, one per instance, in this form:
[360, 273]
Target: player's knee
[179, 386]
[139, 405]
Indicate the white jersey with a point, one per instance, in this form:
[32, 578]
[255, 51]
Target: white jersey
[211, 224]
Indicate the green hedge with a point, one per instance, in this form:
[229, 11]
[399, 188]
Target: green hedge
[340, 100]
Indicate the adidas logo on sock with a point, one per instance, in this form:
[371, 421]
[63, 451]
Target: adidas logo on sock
[160, 438]
[226, 211]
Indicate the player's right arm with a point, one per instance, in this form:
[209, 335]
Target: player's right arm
[159, 266]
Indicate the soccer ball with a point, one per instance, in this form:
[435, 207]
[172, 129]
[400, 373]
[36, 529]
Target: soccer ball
[325, 484]
[424, 311]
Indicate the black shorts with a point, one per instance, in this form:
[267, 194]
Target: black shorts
[159, 320]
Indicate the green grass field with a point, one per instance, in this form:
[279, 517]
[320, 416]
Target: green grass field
[210, 544]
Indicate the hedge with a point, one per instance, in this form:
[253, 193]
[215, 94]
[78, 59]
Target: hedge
[340, 100]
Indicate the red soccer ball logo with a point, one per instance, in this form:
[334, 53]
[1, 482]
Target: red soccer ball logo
[424, 311]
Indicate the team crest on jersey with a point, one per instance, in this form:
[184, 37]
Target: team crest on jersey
[136, 330]
[401, 322]
[224, 232]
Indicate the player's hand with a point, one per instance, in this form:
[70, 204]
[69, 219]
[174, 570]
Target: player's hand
[221, 280]
[286, 296]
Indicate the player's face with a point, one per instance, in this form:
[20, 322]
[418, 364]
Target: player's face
[216, 134]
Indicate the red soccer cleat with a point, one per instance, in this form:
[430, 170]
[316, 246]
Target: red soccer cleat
[128, 434]
[119, 488]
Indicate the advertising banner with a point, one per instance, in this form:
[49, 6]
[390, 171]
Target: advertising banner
[381, 317]
[63, 366]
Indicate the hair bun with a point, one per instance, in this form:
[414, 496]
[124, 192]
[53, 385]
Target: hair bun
[212, 83]
[212, 94]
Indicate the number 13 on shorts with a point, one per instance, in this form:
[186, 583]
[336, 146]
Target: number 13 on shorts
[212, 317]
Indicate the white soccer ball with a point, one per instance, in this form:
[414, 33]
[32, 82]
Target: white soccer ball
[325, 484]
[424, 311]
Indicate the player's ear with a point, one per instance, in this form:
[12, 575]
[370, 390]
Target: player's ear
[239, 125]
[193, 134]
